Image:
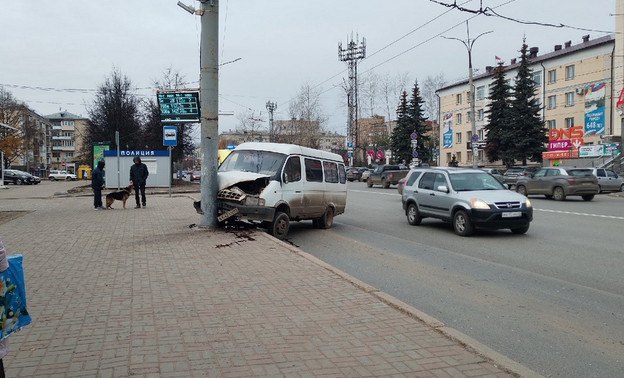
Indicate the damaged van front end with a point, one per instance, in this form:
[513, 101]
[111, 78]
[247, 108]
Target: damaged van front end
[241, 197]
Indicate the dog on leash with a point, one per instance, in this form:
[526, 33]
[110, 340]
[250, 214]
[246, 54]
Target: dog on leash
[121, 195]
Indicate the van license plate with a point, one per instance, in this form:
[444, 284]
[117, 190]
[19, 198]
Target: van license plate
[227, 214]
[511, 214]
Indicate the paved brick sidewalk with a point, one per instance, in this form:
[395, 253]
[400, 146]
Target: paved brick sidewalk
[140, 293]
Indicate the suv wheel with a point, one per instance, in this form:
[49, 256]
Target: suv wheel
[52, 178]
[369, 183]
[521, 189]
[18, 182]
[588, 197]
[413, 216]
[559, 194]
[67, 178]
[462, 224]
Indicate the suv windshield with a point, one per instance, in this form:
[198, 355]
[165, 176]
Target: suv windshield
[263, 162]
[466, 182]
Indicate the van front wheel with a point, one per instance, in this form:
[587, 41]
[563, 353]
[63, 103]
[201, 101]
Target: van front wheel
[327, 219]
[279, 226]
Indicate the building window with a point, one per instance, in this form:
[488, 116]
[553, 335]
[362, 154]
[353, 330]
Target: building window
[552, 124]
[480, 133]
[481, 92]
[459, 118]
[537, 77]
[552, 76]
[569, 72]
[468, 117]
[459, 99]
[480, 113]
[569, 98]
[552, 102]
[469, 136]
[459, 156]
[458, 138]
[448, 157]
[569, 122]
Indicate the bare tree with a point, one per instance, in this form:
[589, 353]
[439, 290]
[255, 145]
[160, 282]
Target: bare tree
[12, 142]
[429, 87]
[369, 94]
[307, 116]
[249, 123]
[391, 89]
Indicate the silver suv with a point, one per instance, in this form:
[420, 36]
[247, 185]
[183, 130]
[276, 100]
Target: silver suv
[468, 198]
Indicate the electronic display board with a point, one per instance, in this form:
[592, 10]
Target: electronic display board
[178, 107]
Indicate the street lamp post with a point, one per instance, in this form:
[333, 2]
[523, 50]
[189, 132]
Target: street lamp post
[469, 43]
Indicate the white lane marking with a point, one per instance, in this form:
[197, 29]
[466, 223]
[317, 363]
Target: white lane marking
[575, 213]
[383, 194]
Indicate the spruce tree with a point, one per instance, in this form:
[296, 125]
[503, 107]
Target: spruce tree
[499, 139]
[416, 113]
[401, 148]
[410, 119]
[529, 134]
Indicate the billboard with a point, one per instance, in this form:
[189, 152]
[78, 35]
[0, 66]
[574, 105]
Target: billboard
[594, 109]
[98, 153]
[447, 130]
[178, 107]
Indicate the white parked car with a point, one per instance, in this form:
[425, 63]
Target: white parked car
[62, 175]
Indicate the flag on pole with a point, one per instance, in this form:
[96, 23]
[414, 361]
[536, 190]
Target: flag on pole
[496, 58]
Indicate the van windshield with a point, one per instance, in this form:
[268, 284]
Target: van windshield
[263, 162]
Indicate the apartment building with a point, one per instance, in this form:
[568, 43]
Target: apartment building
[66, 139]
[33, 129]
[577, 85]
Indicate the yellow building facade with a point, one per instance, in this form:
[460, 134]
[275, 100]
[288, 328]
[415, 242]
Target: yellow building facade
[577, 86]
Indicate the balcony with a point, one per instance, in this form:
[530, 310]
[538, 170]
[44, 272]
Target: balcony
[64, 148]
[54, 137]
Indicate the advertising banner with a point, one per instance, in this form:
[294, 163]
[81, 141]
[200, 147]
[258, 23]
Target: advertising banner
[590, 151]
[559, 145]
[594, 109]
[98, 153]
[447, 130]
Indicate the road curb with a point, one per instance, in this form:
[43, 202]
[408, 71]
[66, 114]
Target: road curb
[501, 361]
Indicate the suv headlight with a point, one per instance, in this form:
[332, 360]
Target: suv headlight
[479, 204]
[528, 203]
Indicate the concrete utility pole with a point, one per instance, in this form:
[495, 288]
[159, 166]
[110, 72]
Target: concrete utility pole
[271, 106]
[209, 98]
[468, 43]
[354, 52]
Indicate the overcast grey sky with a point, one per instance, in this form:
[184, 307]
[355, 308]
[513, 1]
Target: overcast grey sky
[55, 53]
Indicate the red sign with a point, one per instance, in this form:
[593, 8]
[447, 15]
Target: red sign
[560, 154]
[559, 145]
[62, 164]
[574, 132]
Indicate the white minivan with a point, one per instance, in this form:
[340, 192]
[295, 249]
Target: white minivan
[273, 184]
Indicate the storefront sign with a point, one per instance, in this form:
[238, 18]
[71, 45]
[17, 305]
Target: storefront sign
[559, 145]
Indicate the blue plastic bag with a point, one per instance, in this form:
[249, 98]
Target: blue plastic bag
[13, 313]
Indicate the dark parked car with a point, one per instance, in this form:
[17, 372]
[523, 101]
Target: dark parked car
[558, 183]
[496, 173]
[18, 177]
[355, 173]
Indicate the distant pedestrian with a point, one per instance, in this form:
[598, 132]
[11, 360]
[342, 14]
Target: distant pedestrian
[4, 344]
[138, 178]
[97, 184]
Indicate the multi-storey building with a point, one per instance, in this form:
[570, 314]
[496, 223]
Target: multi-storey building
[33, 129]
[66, 139]
[577, 86]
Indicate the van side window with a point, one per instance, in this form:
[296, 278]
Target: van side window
[331, 171]
[427, 181]
[292, 169]
[342, 174]
[314, 170]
